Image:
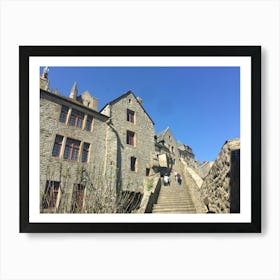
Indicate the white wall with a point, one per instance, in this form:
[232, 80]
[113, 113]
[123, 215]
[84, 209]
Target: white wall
[126, 256]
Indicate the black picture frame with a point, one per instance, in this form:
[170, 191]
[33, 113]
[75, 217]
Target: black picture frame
[254, 52]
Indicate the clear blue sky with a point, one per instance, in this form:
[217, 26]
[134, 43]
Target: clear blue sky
[201, 105]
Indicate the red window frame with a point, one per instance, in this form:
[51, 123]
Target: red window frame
[130, 116]
[51, 193]
[76, 118]
[72, 148]
[130, 138]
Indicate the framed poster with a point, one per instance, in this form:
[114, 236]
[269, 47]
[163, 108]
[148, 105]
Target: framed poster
[140, 138]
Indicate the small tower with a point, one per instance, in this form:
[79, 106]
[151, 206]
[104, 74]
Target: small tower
[74, 91]
[44, 82]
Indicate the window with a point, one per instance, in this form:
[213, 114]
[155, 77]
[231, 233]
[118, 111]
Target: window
[51, 194]
[63, 114]
[72, 149]
[78, 198]
[130, 138]
[130, 116]
[76, 118]
[133, 164]
[57, 145]
[85, 152]
[88, 123]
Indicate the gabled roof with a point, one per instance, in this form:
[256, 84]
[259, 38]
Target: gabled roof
[161, 135]
[123, 96]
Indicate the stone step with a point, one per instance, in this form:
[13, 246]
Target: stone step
[174, 211]
[173, 189]
[170, 201]
[174, 193]
[174, 198]
[177, 203]
[174, 207]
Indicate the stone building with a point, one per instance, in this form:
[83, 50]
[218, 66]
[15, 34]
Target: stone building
[185, 151]
[84, 153]
[167, 139]
[90, 160]
[134, 133]
[71, 146]
[163, 161]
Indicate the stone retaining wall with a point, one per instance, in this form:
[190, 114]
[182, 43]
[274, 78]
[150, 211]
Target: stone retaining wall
[217, 189]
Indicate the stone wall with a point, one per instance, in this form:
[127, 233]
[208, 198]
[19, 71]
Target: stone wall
[170, 143]
[216, 190]
[152, 187]
[69, 172]
[203, 169]
[143, 149]
[194, 185]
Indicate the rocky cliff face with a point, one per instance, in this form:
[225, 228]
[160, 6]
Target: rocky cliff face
[203, 169]
[220, 189]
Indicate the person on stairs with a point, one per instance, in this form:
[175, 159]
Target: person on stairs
[179, 179]
[175, 175]
[166, 180]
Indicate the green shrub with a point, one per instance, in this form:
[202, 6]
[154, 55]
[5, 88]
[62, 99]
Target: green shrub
[149, 186]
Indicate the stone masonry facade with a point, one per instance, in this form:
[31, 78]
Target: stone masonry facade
[54, 166]
[101, 161]
[134, 131]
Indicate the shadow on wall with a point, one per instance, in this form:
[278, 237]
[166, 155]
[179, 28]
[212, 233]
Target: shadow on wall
[119, 161]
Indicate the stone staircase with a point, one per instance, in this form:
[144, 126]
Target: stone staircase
[174, 199]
